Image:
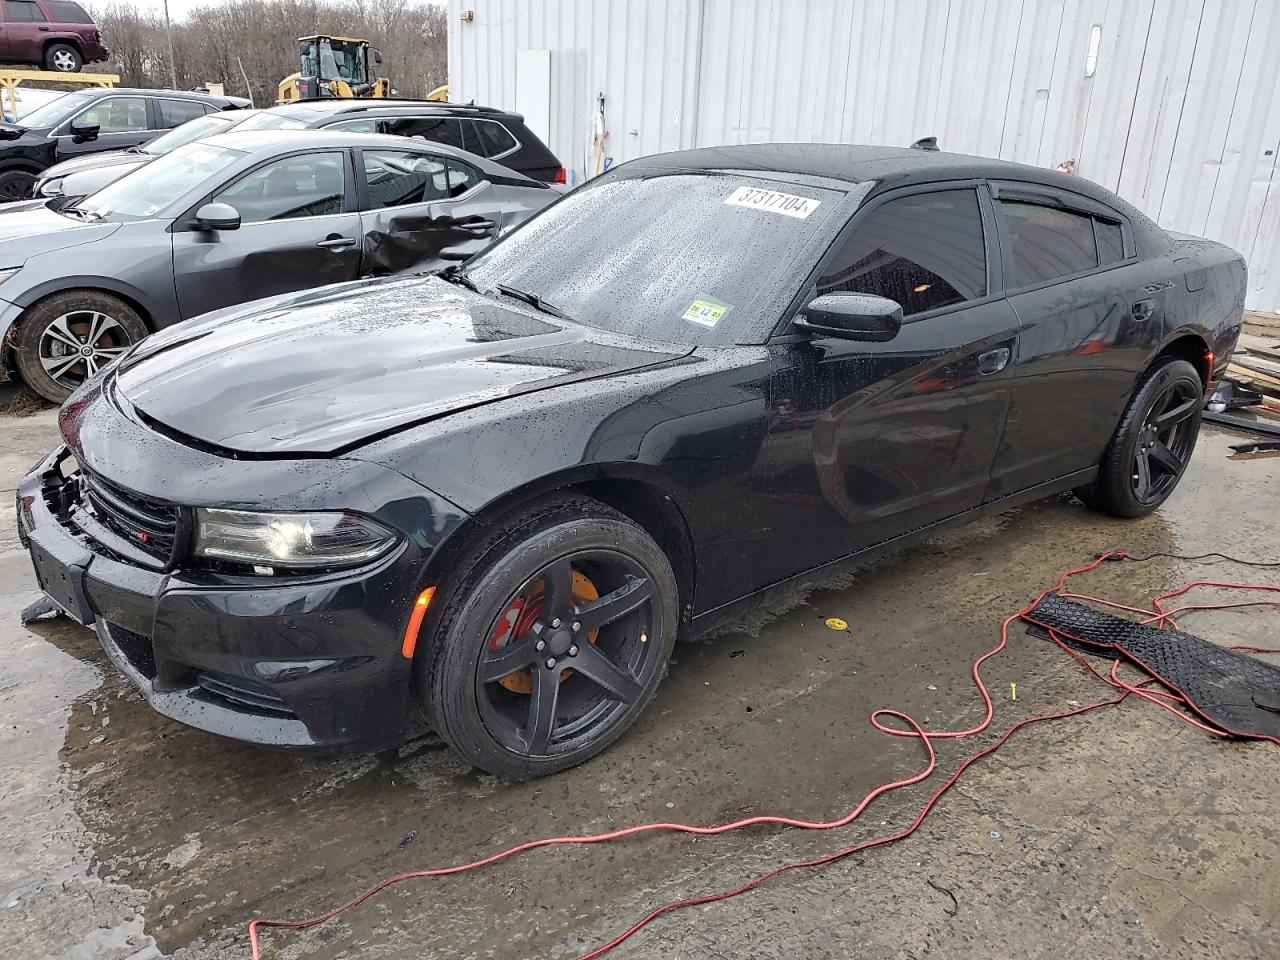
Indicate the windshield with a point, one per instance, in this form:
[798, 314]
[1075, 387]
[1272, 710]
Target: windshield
[270, 121]
[150, 189]
[55, 111]
[690, 258]
[341, 60]
[196, 129]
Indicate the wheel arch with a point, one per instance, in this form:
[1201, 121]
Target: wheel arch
[73, 42]
[1192, 347]
[634, 491]
[20, 163]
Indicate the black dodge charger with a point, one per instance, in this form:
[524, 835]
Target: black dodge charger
[703, 377]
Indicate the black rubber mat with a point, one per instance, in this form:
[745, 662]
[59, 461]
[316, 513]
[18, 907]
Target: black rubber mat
[1238, 693]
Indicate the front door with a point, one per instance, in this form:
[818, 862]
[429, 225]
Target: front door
[869, 441]
[1089, 325]
[422, 211]
[297, 231]
[122, 122]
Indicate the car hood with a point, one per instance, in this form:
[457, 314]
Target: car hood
[321, 374]
[29, 229]
[93, 161]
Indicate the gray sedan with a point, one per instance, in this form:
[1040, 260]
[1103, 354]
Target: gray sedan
[233, 218]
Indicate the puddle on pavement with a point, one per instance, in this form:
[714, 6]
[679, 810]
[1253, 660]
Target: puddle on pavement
[203, 833]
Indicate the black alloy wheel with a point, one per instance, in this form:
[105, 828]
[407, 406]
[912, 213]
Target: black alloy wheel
[552, 641]
[16, 185]
[1152, 444]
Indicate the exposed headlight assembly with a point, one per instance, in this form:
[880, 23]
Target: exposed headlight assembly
[7, 272]
[51, 188]
[296, 541]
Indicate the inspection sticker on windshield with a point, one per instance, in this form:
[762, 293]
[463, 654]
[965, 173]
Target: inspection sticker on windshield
[787, 204]
[706, 312]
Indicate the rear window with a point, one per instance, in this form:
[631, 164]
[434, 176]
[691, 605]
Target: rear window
[1110, 241]
[176, 112]
[64, 12]
[495, 138]
[23, 11]
[1048, 242]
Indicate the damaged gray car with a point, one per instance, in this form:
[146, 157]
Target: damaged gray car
[230, 219]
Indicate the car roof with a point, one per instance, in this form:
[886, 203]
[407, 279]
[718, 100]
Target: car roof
[173, 94]
[388, 106]
[263, 144]
[887, 166]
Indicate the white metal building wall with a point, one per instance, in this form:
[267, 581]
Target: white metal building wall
[1179, 111]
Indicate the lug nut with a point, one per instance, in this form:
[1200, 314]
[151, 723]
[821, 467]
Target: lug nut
[551, 662]
[555, 624]
[540, 645]
[573, 650]
[644, 638]
[576, 626]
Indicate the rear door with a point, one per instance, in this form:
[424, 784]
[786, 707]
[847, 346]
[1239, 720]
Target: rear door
[25, 30]
[299, 229]
[877, 439]
[1089, 325]
[420, 211]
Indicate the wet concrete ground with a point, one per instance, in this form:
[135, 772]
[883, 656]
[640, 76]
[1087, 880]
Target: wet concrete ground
[1120, 833]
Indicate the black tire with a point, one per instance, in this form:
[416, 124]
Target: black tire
[16, 185]
[63, 58]
[1153, 443]
[51, 331]
[460, 665]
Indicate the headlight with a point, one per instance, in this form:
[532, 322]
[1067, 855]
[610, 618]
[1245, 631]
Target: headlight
[299, 541]
[50, 188]
[7, 272]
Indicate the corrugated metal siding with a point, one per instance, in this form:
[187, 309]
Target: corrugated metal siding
[1181, 116]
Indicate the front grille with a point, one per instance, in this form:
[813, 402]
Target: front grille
[144, 524]
[243, 694]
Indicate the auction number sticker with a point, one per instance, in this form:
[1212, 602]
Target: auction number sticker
[706, 312]
[788, 204]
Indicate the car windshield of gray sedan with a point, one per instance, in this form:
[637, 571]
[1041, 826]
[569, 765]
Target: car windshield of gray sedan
[688, 258]
[147, 191]
[189, 132]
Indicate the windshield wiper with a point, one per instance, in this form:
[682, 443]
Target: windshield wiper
[453, 274]
[83, 214]
[532, 299]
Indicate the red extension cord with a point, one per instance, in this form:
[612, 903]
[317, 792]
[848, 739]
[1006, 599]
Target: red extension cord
[1165, 699]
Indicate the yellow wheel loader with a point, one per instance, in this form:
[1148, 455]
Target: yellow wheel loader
[336, 67]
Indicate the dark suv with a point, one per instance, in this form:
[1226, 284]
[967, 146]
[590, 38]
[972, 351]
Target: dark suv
[89, 121]
[487, 132]
[58, 35]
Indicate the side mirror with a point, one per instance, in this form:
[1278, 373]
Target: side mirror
[218, 216]
[852, 316]
[377, 56]
[84, 132]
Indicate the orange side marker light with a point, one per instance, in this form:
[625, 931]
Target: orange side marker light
[415, 622]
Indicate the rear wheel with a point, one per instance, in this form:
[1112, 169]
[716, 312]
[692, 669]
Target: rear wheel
[16, 185]
[63, 58]
[1153, 443]
[551, 640]
[66, 339]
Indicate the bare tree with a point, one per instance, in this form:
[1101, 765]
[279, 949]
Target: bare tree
[211, 44]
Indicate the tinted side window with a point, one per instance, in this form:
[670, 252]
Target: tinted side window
[461, 178]
[436, 129]
[355, 126]
[64, 12]
[924, 251]
[1047, 242]
[310, 185]
[1110, 241]
[116, 115]
[494, 137]
[395, 179]
[23, 11]
[175, 112]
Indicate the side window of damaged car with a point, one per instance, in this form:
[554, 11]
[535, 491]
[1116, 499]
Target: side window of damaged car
[923, 251]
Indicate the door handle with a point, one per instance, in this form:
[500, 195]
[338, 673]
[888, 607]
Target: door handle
[477, 226]
[993, 361]
[337, 244]
[43, 29]
[1142, 310]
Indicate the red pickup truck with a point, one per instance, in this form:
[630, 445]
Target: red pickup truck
[57, 35]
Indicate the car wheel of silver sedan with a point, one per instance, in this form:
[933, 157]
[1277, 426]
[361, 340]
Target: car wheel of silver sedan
[66, 339]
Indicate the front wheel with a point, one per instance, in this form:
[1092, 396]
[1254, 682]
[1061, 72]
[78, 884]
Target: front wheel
[67, 338]
[551, 640]
[16, 185]
[1152, 444]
